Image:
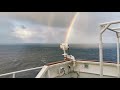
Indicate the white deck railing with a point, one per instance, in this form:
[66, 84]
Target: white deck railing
[16, 72]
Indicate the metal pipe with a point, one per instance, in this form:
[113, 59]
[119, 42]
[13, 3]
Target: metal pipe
[112, 30]
[115, 28]
[49, 73]
[13, 75]
[106, 27]
[118, 56]
[113, 22]
[101, 46]
[101, 55]
[21, 71]
[102, 30]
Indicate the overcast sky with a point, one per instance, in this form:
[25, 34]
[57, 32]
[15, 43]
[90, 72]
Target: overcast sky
[51, 27]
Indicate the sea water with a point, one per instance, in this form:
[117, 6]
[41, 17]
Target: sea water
[25, 56]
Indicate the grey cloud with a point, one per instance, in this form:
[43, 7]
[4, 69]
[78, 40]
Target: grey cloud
[59, 19]
[52, 26]
[43, 34]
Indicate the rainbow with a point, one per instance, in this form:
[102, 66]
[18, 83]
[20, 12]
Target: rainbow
[71, 27]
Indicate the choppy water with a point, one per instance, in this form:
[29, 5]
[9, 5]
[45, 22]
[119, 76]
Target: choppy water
[18, 57]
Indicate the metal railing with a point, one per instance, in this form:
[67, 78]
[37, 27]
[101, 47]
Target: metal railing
[103, 28]
[16, 72]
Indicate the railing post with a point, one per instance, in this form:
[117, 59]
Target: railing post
[101, 56]
[118, 56]
[13, 75]
[103, 28]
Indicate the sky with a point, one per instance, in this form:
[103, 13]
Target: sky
[51, 27]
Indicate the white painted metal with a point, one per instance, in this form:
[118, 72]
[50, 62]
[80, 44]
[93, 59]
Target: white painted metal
[115, 28]
[92, 71]
[105, 26]
[101, 47]
[113, 22]
[101, 56]
[93, 68]
[48, 73]
[13, 73]
[52, 71]
[42, 72]
[111, 30]
[118, 55]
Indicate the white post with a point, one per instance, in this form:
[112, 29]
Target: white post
[118, 56]
[49, 73]
[101, 55]
[102, 30]
[13, 75]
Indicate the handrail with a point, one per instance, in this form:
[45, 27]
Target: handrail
[113, 22]
[13, 73]
[103, 29]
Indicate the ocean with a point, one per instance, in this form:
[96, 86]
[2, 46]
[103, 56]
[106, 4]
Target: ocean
[19, 57]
